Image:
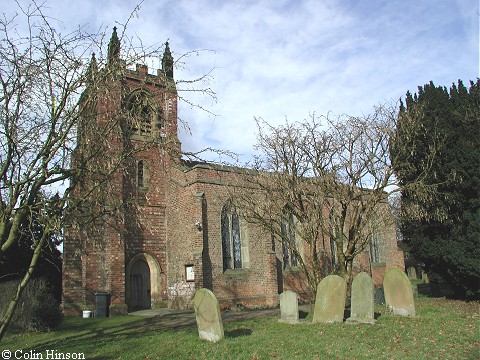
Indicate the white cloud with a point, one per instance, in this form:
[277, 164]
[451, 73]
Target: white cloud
[277, 59]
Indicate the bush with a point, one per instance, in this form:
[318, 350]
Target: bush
[37, 309]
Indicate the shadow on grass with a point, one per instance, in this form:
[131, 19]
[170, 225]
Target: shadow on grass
[238, 333]
[86, 335]
[347, 314]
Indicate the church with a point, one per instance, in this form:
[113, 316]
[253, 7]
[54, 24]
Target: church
[175, 230]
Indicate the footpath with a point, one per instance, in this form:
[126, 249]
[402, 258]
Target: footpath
[171, 318]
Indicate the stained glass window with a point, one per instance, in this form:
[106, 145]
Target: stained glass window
[231, 239]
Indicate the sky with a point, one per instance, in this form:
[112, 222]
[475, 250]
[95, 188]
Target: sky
[287, 59]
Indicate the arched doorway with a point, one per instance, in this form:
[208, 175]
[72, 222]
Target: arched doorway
[143, 285]
[140, 296]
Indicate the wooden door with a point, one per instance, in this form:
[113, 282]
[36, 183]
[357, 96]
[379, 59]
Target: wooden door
[140, 285]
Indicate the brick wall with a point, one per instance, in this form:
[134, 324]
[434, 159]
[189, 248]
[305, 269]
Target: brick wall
[198, 196]
[202, 188]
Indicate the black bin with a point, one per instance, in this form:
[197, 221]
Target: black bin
[102, 303]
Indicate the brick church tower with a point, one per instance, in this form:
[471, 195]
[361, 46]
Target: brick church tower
[122, 250]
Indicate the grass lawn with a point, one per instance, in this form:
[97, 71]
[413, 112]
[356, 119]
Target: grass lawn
[443, 329]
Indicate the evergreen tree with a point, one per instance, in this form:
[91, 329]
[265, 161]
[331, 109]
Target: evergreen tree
[446, 142]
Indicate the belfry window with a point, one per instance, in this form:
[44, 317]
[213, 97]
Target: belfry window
[145, 121]
[231, 239]
[143, 116]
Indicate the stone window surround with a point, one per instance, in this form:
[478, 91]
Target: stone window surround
[151, 123]
[142, 175]
[244, 257]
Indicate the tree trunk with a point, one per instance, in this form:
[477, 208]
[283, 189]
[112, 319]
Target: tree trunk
[348, 279]
[348, 274]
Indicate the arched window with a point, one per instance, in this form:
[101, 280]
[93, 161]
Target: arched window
[287, 229]
[140, 174]
[143, 116]
[231, 239]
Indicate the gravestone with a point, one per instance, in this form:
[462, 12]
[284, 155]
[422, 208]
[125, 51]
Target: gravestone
[207, 314]
[398, 293]
[362, 301]
[425, 277]
[412, 273]
[330, 300]
[289, 307]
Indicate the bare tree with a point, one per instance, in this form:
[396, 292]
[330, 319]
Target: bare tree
[50, 84]
[321, 186]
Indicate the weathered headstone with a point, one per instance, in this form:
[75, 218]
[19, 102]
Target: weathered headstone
[207, 314]
[362, 303]
[412, 273]
[330, 300]
[425, 278]
[289, 307]
[398, 293]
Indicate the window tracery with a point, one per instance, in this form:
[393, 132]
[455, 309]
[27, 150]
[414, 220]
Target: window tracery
[143, 115]
[231, 239]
